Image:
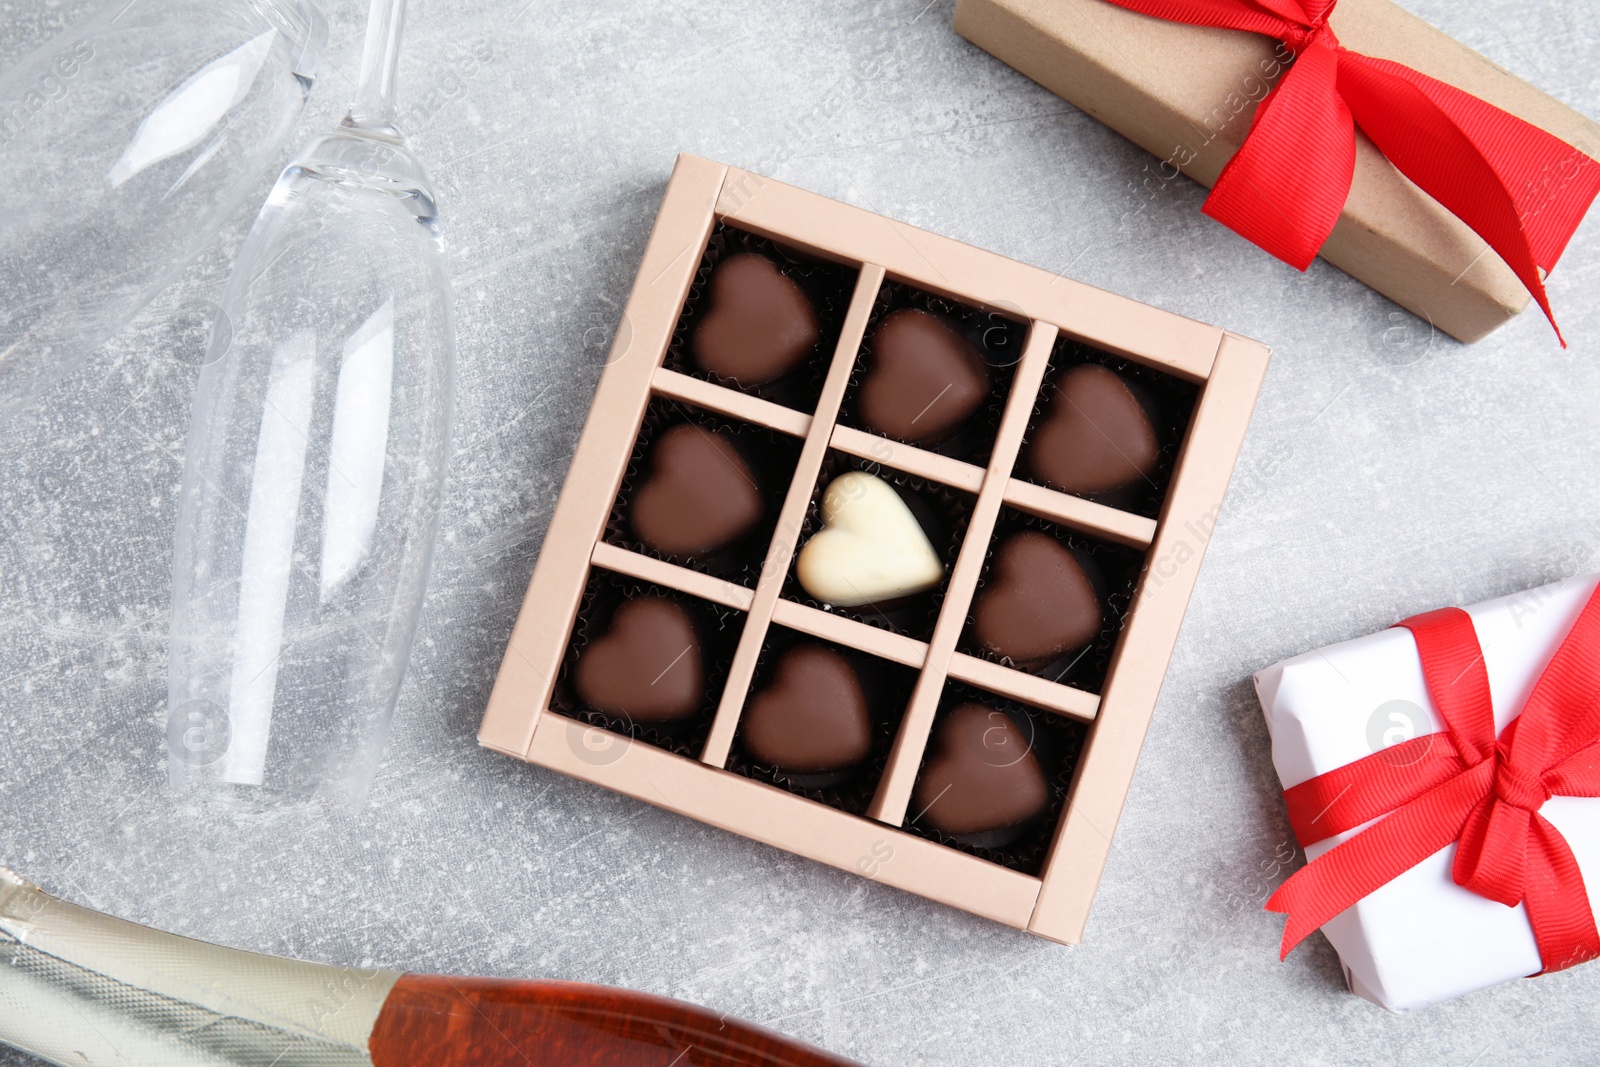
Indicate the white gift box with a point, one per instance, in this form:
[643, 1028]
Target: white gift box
[1421, 938]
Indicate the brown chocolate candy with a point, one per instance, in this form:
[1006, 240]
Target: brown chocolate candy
[699, 496]
[983, 775]
[812, 717]
[924, 379]
[759, 326]
[647, 666]
[1037, 603]
[1095, 436]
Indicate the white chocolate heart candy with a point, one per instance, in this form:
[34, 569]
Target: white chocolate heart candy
[870, 546]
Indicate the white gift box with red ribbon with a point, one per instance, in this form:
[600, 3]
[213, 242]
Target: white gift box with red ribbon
[1421, 938]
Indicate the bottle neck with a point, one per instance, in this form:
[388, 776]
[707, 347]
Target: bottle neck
[83, 988]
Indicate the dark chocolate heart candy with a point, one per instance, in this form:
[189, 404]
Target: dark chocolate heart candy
[647, 666]
[1037, 602]
[813, 716]
[924, 379]
[983, 774]
[1095, 436]
[759, 326]
[699, 496]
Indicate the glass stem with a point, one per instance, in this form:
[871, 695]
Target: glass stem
[374, 108]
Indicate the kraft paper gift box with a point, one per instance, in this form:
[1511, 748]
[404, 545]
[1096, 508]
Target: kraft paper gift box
[1187, 94]
[1422, 938]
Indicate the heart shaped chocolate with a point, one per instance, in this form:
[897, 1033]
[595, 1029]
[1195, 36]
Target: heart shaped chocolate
[923, 380]
[983, 775]
[647, 666]
[1037, 602]
[1095, 436]
[699, 496]
[759, 324]
[812, 717]
[870, 548]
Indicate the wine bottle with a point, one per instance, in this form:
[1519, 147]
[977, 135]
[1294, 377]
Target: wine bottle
[83, 989]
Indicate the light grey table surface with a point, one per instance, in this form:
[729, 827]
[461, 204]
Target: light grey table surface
[1388, 471]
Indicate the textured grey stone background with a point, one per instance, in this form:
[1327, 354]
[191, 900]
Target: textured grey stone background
[1388, 471]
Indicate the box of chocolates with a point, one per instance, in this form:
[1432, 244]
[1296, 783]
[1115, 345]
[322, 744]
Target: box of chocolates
[875, 547]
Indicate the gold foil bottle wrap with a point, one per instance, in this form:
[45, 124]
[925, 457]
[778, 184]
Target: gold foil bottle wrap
[84, 989]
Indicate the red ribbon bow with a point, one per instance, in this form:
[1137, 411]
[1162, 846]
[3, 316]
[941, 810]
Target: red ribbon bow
[1524, 191]
[1464, 786]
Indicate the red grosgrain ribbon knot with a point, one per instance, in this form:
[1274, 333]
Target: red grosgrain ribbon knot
[1524, 191]
[1465, 787]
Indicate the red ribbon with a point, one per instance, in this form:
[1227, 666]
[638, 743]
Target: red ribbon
[1464, 786]
[1524, 191]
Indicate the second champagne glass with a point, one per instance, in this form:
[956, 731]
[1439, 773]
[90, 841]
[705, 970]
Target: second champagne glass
[315, 467]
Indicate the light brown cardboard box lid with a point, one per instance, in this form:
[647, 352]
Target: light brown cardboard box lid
[1169, 86]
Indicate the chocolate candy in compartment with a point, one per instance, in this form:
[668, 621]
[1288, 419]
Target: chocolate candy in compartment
[811, 700]
[1106, 429]
[762, 318]
[647, 662]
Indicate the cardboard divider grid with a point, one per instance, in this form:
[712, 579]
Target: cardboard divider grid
[1027, 688]
[731, 402]
[908, 458]
[1124, 528]
[896, 648]
[660, 572]
[792, 517]
[894, 790]
[1055, 904]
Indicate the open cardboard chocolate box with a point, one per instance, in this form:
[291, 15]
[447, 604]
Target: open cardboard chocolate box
[1081, 718]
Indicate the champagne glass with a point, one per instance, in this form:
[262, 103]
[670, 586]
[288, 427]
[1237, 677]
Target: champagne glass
[316, 459]
[125, 143]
